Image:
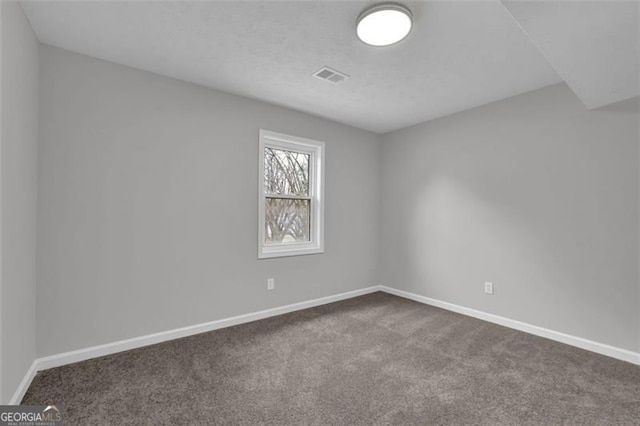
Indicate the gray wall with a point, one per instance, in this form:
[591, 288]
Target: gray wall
[536, 194]
[148, 205]
[18, 192]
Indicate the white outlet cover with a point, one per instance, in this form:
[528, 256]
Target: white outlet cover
[488, 288]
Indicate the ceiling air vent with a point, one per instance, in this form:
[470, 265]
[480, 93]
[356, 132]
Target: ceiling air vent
[330, 75]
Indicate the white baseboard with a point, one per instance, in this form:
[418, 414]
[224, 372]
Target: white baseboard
[590, 345]
[24, 385]
[151, 339]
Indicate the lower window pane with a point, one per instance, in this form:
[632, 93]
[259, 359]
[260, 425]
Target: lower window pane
[286, 220]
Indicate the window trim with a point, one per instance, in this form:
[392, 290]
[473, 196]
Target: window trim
[315, 149]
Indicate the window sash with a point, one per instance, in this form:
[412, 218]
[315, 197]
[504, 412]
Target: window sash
[295, 151]
[308, 228]
[306, 197]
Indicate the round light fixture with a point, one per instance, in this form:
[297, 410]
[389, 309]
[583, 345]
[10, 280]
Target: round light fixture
[384, 24]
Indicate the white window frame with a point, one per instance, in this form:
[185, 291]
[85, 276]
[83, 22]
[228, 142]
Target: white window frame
[315, 149]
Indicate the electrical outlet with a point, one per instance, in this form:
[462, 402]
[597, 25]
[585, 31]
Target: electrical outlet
[488, 288]
[271, 284]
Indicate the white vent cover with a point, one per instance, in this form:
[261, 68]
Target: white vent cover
[330, 75]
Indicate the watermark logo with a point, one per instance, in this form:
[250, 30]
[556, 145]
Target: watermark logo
[30, 415]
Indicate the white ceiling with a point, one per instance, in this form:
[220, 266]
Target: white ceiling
[459, 54]
[594, 46]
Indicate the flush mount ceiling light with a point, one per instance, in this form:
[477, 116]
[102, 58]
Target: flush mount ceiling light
[384, 24]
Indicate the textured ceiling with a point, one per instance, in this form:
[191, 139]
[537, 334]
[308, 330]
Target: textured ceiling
[459, 54]
[594, 46]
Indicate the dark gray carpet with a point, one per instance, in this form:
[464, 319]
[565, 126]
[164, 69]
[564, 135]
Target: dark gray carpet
[376, 359]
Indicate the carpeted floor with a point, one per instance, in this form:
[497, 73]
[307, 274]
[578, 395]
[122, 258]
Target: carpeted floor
[375, 359]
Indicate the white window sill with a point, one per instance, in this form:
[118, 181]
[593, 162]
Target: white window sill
[269, 252]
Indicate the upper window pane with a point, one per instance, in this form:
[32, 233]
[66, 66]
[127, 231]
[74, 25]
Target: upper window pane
[286, 172]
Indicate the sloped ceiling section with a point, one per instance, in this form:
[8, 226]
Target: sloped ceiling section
[593, 45]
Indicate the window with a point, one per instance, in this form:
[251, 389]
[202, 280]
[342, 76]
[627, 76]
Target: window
[291, 196]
